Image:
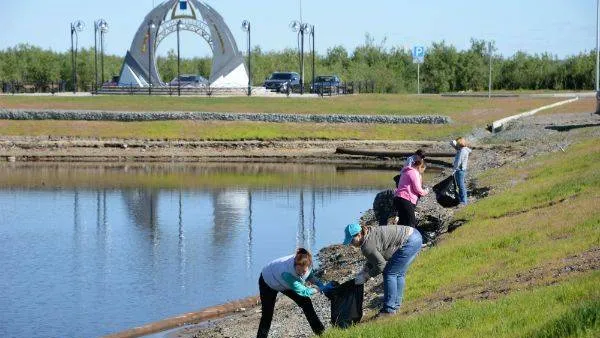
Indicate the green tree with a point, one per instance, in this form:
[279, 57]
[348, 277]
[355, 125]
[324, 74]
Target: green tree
[439, 68]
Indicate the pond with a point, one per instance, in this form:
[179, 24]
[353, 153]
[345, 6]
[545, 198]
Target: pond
[92, 249]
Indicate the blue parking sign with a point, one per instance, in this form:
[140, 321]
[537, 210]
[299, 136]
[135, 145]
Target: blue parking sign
[418, 54]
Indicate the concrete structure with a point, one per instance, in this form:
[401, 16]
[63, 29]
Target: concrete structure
[228, 67]
[499, 124]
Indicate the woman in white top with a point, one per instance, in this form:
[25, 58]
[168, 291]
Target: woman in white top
[289, 275]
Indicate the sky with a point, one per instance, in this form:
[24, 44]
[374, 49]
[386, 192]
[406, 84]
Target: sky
[559, 27]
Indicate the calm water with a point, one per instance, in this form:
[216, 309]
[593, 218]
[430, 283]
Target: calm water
[90, 250]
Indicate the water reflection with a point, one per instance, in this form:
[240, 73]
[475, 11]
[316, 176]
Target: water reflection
[231, 209]
[249, 247]
[115, 255]
[181, 243]
[141, 205]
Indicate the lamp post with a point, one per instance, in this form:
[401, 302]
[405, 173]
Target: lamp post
[246, 28]
[178, 61]
[312, 39]
[96, 57]
[102, 26]
[76, 26]
[151, 26]
[597, 43]
[103, 30]
[301, 28]
[490, 73]
[597, 56]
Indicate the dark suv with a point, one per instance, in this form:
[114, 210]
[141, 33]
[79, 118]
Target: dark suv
[283, 81]
[326, 84]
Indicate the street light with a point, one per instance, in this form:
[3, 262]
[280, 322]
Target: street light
[490, 73]
[301, 28]
[246, 28]
[103, 30]
[178, 61]
[311, 33]
[597, 42]
[151, 26]
[597, 56]
[102, 26]
[76, 26]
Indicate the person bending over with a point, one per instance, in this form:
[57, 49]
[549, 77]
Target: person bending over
[389, 250]
[289, 275]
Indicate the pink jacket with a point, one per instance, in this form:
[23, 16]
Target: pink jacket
[409, 186]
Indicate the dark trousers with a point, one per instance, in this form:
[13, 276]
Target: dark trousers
[267, 304]
[406, 211]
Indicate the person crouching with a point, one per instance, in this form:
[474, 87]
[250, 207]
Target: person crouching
[288, 275]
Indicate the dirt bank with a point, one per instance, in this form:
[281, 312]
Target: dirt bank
[122, 150]
[520, 141]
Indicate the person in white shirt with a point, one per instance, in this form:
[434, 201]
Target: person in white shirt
[289, 275]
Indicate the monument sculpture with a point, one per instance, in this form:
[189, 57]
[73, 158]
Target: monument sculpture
[228, 67]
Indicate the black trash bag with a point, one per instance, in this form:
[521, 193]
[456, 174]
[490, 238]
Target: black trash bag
[446, 192]
[430, 228]
[396, 180]
[383, 206]
[346, 303]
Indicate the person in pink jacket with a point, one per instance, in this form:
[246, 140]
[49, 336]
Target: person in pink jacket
[408, 192]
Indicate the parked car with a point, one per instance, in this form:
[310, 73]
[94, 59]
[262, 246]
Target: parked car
[598, 102]
[326, 84]
[282, 81]
[189, 80]
[114, 82]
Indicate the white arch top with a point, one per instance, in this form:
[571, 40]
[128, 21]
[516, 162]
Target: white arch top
[228, 67]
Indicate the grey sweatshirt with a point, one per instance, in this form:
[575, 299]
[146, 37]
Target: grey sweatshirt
[381, 243]
[461, 158]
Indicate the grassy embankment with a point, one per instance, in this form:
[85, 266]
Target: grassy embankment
[465, 112]
[521, 266]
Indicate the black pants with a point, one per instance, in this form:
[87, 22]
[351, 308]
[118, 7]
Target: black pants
[267, 304]
[406, 211]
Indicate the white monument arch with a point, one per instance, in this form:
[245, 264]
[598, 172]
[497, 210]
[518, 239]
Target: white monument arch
[228, 67]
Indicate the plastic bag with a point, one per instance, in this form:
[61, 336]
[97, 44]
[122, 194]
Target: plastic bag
[383, 206]
[446, 192]
[346, 303]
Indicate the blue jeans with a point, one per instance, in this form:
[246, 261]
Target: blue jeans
[395, 271]
[462, 188]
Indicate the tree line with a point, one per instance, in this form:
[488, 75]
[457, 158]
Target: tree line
[390, 70]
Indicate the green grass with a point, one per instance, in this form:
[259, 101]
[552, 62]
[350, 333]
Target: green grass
[550, 180]
[351, 104]
[571, 309]
[513, 245]
[465, 113]
[228, 131]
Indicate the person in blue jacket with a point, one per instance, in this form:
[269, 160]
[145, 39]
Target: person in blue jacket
[289, 275]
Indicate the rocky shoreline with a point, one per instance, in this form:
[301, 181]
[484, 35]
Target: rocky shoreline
[338, 262]
[519, 141]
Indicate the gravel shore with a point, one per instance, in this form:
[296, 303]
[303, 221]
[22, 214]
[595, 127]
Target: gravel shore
[519, 141]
